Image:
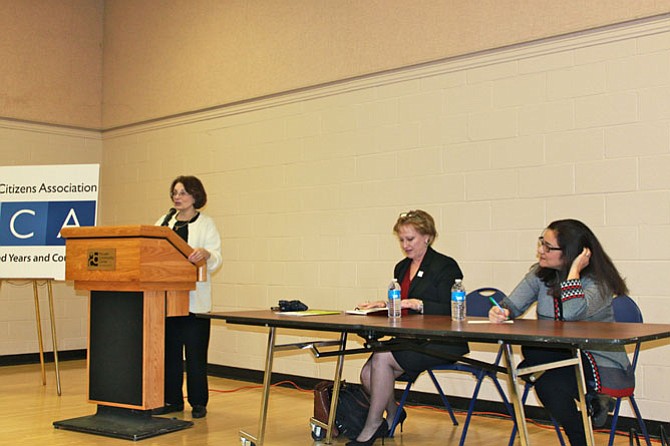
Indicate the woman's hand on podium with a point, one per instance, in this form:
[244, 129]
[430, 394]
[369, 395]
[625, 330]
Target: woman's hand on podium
[198, 254]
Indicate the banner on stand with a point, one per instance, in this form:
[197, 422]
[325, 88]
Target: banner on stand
[36, 202]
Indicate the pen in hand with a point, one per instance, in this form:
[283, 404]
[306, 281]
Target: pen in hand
[502, 310]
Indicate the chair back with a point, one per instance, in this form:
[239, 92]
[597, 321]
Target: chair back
[478, 303]
[626, 310]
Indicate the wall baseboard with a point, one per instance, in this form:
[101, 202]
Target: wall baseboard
[34, 358]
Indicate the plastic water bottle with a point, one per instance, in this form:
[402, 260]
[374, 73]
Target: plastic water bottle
[394, 305]
[458, 309]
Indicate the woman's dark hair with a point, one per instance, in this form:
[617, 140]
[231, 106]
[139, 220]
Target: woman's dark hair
[194, 187]
[573, 236]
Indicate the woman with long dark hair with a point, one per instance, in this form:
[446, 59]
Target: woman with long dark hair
[573, 280]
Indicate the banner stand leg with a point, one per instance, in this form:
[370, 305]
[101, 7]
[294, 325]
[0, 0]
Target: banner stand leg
[54, 340]
[39, 331]
[53, 332]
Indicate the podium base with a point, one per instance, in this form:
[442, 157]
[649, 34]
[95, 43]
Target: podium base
[123, 423]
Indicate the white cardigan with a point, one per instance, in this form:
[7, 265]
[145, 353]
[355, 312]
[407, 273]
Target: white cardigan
[202, 233]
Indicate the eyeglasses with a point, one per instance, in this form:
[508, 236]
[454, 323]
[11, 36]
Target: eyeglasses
[545, 247]
[181, 193]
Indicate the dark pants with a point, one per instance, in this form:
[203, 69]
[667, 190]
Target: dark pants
[189, 335]
[557, 390]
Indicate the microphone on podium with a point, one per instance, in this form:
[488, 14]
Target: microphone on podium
[168, 216]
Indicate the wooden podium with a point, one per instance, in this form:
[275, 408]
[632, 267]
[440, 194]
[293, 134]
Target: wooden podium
[137, 276]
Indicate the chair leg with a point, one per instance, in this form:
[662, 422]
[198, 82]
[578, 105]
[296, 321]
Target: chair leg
[640, 420]
[503, 397]
[557, 428]
[615, 419]
[473, 400]
[444, 398]
[401, 406]
[471, 407]
[638, 415]
[403, 399]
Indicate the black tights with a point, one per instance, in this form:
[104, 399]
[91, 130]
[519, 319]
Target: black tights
[557, 390]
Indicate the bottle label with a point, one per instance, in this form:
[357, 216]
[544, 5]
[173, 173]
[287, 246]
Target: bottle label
[394, 294]
[458, 296]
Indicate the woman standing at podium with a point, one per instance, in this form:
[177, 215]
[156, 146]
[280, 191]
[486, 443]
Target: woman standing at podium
[188, 336]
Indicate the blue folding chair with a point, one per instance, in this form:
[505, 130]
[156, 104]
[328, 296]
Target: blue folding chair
[625, 310]
[478, 305]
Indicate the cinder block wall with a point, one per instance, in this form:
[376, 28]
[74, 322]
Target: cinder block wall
[306, 187]
[27, 144]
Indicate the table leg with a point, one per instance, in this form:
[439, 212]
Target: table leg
[515, 396]
[336, 389]
[267, 381]
[581, 389]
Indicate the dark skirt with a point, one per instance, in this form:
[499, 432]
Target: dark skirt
[415, 362]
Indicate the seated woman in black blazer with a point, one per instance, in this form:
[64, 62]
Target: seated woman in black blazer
[425, 278]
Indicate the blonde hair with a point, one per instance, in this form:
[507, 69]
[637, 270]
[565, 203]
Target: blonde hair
[420, 220]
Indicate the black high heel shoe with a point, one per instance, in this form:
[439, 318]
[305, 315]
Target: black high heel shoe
[401, 418]
[381, 432]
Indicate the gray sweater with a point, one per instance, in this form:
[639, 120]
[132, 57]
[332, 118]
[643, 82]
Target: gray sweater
[582, 300]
